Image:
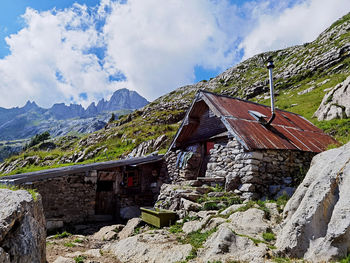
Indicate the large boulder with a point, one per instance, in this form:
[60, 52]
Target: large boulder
[156, 246]
[251, 222]
[317, 217]
[336, 103]
[130, 227]
[226, 246]
[22, 227]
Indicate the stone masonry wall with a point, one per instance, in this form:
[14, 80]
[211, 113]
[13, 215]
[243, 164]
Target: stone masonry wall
[67, 199]
[251, 174]
[180, 174]
[258, 173]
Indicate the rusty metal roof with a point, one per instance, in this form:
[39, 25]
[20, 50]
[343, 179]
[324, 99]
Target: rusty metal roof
[288, 131]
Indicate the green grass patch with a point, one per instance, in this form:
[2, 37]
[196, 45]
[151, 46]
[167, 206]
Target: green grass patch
[345, 260]
[69, 244]
[196, 239]
[62, 235]
[269, 236]
[282, 260]
[177, 228]
[79, 259]
[338, 128]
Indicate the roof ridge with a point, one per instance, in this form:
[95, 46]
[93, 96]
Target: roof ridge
[248, 101]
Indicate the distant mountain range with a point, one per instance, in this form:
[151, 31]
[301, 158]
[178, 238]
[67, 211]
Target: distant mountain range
[24, 122]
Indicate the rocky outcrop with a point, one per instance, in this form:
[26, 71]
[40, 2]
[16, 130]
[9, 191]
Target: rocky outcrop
[22, 227]
[317, 217]
[226, 246]
[336, 103]
[129, 229]
[156, 246]
[148, 146]
[120, 100]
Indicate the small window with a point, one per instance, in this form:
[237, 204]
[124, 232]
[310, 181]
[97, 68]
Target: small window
[131, 179]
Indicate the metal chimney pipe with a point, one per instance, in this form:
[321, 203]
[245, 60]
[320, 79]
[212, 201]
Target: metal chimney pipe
[270, 66]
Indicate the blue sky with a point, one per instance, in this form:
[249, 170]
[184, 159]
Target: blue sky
[80, 51]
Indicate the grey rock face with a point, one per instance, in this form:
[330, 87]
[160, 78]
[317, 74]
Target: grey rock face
[156, 246]
[317, 217]
[122, 99]
[128, 230]
[336, 103]
[225, 245]
[148, 146]
[22, 228]
[251, 222]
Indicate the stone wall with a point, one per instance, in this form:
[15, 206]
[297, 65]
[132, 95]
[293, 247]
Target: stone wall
[251, 174]
[254, 174]
[189, 172]
[67, 199]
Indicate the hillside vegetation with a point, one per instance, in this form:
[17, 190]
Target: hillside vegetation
[302, 76]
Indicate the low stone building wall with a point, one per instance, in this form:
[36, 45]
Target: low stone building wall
[105, 191]
[188, 172]
[257, 173]
[67, 199]
[251, 174]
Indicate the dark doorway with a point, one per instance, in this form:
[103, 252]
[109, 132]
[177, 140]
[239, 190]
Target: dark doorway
[105, 202]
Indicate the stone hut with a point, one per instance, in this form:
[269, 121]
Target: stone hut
[225, 139]
[95, 192]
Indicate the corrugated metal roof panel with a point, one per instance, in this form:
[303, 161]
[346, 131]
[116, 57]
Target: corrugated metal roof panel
[287, 131]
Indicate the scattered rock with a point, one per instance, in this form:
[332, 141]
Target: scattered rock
[336, 103]
[61, 259]
[251, 222]
[307, 90]
[189, 205]
[231, 209]
[108, 232]
[129, 229]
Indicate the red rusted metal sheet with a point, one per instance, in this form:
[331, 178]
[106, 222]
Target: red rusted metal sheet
[287, 131]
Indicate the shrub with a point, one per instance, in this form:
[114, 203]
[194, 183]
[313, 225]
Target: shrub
[38, 138]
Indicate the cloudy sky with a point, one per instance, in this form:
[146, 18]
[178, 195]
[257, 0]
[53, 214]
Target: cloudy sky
[81, 51]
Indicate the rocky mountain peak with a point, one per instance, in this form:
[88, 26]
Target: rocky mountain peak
[30, 105]
[122, 99]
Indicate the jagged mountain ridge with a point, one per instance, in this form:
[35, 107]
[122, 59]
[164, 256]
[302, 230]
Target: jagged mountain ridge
[25, 122]
[302, 76]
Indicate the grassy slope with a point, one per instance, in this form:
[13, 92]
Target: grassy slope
[163, 115]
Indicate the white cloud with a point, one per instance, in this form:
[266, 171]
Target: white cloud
[280, 28]
[155, 44]
[48, 61]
